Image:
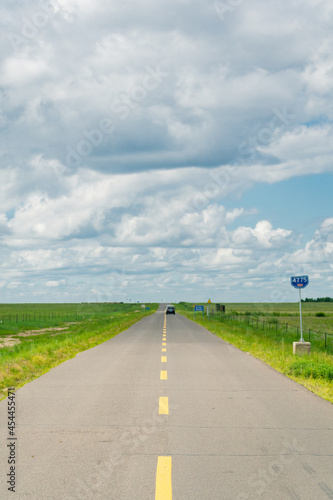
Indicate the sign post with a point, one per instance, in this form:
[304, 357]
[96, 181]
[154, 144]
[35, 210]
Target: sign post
[209, 302]
[300, 282]
[199, 308]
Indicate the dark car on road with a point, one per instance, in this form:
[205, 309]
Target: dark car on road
[170, 309]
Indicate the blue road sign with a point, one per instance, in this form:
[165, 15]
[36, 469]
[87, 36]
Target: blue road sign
[199, 308]
[299, 281]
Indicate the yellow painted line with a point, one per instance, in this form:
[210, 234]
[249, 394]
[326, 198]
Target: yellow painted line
[164, 375]
[163, 359]
[163, 406]
[163, 349]
[163, 479]
[163, 343]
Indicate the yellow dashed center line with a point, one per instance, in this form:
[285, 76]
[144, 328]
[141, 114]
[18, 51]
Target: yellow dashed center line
[164, 464]
[163, 479]
[163, 406]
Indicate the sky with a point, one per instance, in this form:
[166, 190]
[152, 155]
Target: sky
[160, 151]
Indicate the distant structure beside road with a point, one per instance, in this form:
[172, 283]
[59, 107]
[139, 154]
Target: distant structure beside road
[220, 307]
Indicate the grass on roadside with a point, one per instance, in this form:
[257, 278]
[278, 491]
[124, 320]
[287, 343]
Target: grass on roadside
[32, 358]
[314, 371]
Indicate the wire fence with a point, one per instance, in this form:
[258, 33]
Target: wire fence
[26, 317]
[93, 311]
[266, 325]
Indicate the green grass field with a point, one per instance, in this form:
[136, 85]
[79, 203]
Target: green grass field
[281, 309]
[282, 312]
[45, 335]
[272, 341]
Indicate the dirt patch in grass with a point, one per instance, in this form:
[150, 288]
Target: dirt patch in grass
[8, 342]
[11, 341]
[30, 333]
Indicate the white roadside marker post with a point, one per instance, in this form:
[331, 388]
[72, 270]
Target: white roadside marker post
[300, 315]
[301, 346]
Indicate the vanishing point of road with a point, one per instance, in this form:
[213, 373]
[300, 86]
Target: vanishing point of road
[167, 410]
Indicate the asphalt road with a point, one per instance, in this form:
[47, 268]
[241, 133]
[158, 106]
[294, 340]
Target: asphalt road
[198, 421]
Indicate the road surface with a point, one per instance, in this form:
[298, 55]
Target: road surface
[185, 417]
